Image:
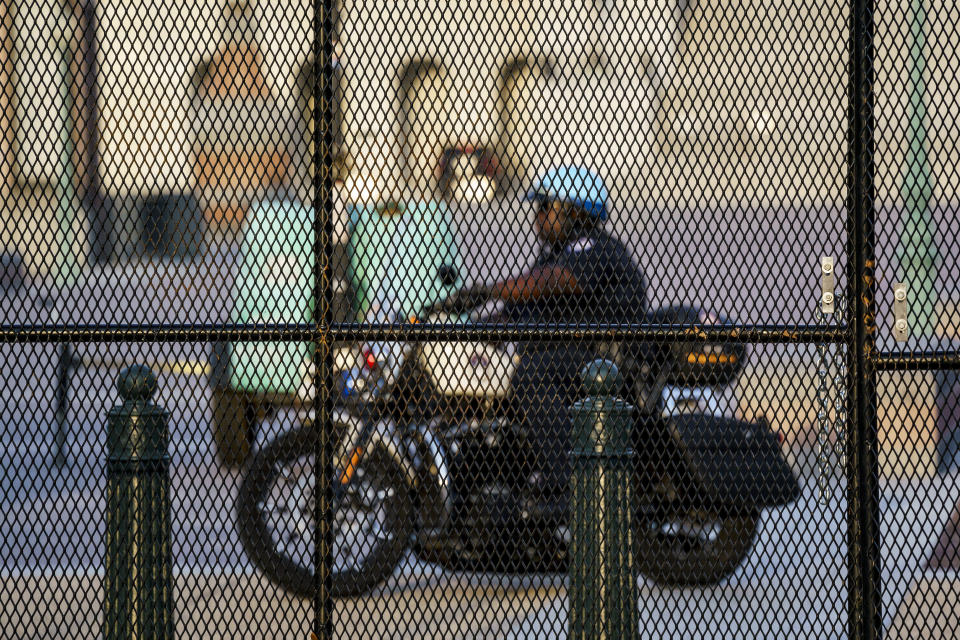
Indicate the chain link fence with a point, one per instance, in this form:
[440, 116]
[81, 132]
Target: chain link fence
[490, 319]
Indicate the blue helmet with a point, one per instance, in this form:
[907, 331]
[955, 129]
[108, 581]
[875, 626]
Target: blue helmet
[579, 186]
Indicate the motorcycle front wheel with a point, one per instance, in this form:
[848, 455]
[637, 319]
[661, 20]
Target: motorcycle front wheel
[685, 546]
[372, 517]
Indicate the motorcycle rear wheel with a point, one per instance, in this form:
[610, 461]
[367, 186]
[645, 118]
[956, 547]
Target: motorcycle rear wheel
[685, 546]
[372, 519]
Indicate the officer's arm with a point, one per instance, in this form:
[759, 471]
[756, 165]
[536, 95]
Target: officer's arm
[541, 282]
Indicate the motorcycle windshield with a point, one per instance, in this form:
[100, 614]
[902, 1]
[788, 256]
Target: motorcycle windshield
[396, 258]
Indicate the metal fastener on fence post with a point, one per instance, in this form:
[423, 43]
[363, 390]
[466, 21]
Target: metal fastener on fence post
[603, 590]
[138, 589]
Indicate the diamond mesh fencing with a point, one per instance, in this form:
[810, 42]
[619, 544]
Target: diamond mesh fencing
[916, 183]
[490, 319]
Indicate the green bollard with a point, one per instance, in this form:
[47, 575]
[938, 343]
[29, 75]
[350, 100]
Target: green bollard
[603, 589]
[138, 586]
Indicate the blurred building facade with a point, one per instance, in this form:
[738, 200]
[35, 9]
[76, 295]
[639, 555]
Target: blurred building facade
[678, 102]
[681, 104]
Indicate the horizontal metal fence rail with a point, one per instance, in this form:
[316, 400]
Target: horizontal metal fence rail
[796, 334]
[918, 361]
[939, 360]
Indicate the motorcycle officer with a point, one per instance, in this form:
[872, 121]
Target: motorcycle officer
[583, 275]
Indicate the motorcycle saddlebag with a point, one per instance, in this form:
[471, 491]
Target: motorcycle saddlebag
[733, 462]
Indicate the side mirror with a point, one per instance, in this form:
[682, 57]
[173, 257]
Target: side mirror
[448, 275]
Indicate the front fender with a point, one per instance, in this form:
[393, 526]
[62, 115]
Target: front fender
[418, 452]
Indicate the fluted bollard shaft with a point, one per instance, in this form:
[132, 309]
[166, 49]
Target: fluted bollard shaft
[138, 589]
[603, 590]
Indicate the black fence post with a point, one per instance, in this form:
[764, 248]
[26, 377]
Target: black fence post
[862, 464]
[138, 586]
[603, 589]
[324, 35]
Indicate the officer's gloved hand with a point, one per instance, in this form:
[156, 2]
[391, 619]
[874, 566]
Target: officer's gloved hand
[467, 298]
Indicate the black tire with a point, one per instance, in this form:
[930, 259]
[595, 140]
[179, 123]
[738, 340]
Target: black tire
[236, 416]
[377, 470]
[672, 548]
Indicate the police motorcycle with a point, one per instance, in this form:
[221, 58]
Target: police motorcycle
[429, 453]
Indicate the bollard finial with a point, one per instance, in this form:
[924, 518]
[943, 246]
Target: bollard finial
[137, 383]
[602, 378]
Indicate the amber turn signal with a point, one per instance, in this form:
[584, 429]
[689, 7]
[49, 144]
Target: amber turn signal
[711, 358]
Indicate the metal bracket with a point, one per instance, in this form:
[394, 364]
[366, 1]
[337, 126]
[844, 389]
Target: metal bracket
[827, 284]
[901, 330]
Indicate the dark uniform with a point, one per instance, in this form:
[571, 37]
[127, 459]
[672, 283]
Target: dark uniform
[547, 381]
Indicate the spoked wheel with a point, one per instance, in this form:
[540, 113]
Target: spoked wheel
[372, 517]
[681, 546]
